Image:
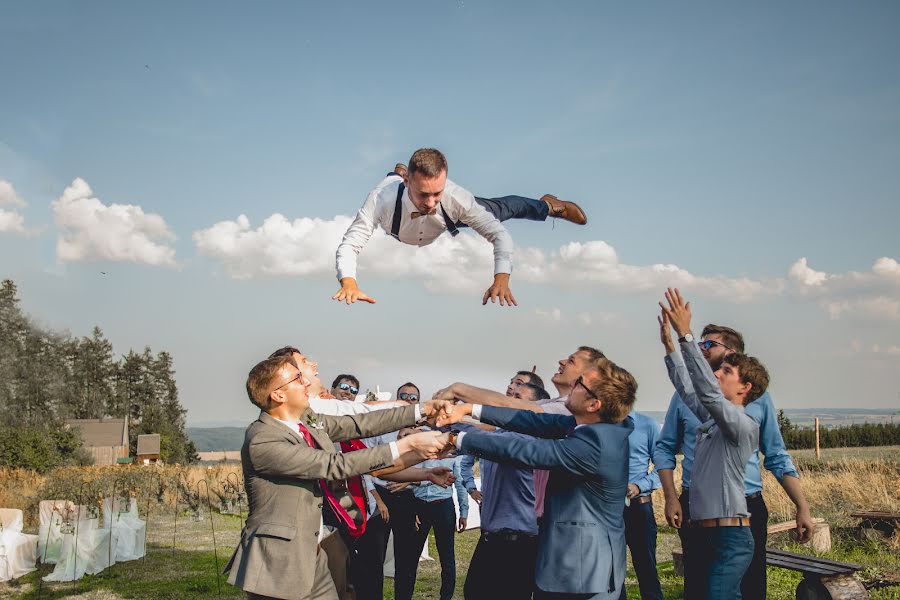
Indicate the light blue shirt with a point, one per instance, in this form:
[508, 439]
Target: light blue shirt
[679, 432]
[642, 441]
[429, 492]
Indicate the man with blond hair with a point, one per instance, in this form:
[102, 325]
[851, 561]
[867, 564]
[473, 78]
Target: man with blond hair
[287, 456]
[587, 456]
[416, 205]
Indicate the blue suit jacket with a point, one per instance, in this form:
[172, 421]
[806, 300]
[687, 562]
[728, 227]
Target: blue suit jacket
[581, 540]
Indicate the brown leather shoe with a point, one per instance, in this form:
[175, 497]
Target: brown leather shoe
[400, 169]
[562, 209]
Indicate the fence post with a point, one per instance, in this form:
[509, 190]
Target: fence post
[818, 450]
[213, 528]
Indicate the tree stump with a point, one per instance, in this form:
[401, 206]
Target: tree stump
[678, 562]
[835, 587]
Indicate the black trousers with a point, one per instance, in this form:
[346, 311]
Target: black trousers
[440, 516]
[402, 523]
[753, 585]
[502, 568]
[640, 535]
[367, 560]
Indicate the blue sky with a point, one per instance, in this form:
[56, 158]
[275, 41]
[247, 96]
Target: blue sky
[728, 142]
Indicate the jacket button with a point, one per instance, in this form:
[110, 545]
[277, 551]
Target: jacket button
[320, 505]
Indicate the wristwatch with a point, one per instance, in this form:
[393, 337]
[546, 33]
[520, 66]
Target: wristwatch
[452, 437]
[686, 338]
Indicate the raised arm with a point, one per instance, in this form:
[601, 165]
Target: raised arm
[464, 392]
[352, 427]
[355, 238]
[523, 421]
[572, 454]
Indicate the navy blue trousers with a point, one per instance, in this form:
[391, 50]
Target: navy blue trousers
[640, 535]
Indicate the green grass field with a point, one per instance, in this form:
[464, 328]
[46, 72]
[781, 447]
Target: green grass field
[843, 481]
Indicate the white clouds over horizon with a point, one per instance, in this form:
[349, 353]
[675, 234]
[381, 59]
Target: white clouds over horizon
[91, 230]
[305, 247]
[867, 296]
[11, 221]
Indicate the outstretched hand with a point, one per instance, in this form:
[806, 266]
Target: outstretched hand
[500, 290]
[350, 292]
[453, 413]
[441, 476]
[678, 312]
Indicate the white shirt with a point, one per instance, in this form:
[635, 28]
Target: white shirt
[460, 205]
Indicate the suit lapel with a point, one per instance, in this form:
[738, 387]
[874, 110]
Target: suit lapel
[293, 433]
[319, 435]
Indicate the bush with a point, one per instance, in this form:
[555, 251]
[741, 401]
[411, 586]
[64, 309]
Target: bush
[40, 449]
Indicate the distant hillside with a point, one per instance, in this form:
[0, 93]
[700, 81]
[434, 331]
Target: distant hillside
[209, 439]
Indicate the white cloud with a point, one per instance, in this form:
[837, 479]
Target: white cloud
[11, 221]
[91, 230]
[305, 247]
[553, 314]
[870, 295]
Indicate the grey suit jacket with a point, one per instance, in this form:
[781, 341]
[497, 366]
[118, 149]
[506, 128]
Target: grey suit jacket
[277, 552]
[581, 539]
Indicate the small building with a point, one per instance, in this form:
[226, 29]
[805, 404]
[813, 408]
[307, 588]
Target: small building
[148, 449]
[106, 439]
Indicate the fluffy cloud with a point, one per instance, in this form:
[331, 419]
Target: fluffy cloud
[869, 295]
[11, 221]
[91, 230]
[305, 247]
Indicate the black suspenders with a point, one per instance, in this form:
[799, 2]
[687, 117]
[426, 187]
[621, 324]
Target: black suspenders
[398, 214]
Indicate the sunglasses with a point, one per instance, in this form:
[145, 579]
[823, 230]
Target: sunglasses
[411, 396]
[346, 386]
[708, 344]
[580, 381]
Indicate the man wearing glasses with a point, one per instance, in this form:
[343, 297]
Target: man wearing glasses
[581, 539]
[345, 387]
[408, 392]
[679, 433]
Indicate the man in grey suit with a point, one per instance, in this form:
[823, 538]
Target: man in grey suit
[581, 537]
[287, 452]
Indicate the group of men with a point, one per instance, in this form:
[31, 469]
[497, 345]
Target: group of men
[566, 481]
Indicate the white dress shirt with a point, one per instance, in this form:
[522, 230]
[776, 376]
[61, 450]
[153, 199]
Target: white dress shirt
[460, 205]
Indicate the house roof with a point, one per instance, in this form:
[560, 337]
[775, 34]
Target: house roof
[148, 444]
[101, 432]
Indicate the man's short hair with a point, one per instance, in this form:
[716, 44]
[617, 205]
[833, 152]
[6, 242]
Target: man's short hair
[594, 355]
[346, 376]
[427, 161]
[533, 378]
[617, 390]
[260, 379]
[730, 337]
[285, 351]
[409, 384]
[537, 393]
[751, 371]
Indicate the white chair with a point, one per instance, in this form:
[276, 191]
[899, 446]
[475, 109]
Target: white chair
[84, 551]
[18, 551]
[50, 537]
[128, 529]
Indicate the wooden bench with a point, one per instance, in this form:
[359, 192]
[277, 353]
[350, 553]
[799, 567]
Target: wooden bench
[822, 579]
[882, 521]
[821, 536]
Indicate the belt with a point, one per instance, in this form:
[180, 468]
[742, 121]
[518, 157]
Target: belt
[505, 535]
[754, 495]
[438, 501]
[723, 522]
[640, 500]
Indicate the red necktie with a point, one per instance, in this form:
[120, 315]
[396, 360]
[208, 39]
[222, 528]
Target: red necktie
[353, 516]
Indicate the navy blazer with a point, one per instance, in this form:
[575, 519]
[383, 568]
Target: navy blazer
[581, 539]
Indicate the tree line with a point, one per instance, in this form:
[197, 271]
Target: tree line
[846, 436]
[47, 377]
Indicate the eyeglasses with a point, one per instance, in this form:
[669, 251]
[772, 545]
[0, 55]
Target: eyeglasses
[708, 344]
[405, 396]
[580, 381]
[346, 386]
[298, 377]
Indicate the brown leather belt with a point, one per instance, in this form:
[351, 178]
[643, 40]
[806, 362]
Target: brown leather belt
[640, 500]
[723, 522]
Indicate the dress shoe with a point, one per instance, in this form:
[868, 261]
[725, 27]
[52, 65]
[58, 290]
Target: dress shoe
[400, 169]
[562, 209]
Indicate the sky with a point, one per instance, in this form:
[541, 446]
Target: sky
[180, 174]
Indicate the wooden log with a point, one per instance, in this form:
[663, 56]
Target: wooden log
[678, 562]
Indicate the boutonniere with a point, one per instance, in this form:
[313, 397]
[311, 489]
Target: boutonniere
[312, 420]
[704, 432]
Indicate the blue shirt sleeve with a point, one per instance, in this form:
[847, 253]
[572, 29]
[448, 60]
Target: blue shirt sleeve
[669, 441]
[467, 472]
[771, 444]
[462, 496]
